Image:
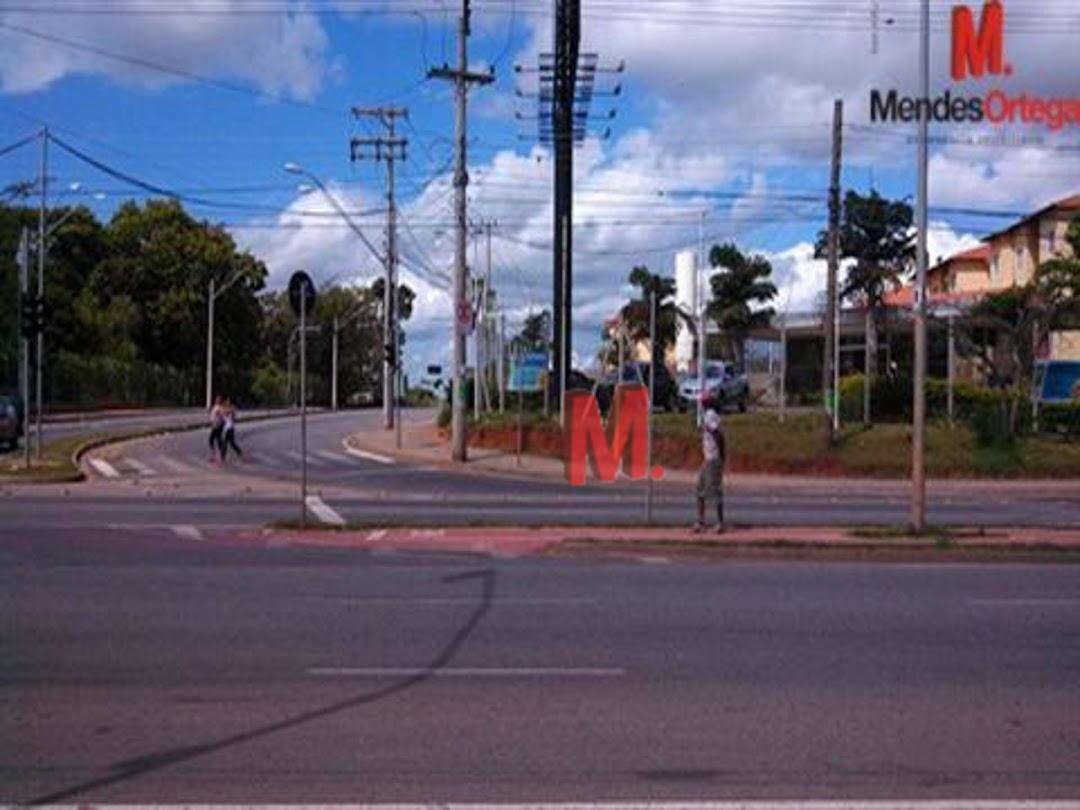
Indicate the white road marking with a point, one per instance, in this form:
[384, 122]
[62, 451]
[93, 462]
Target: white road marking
[452, 600]
[364, 454]
[188, 533]
[174, 465]
[468, 672]
[1020, 602]
[376, 534]
[330, 455]
[294, 455]
[317, 506]
[104, 467]
[139, 467]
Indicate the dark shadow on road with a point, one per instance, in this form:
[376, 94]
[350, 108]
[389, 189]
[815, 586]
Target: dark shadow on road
[133, 768]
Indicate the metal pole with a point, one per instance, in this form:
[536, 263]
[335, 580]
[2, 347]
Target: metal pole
[952, 367]
[210, 346]
[392, 272]
[303, 405]
[652, 390]
[502, 362]
[478, 320]
[41, 289]
[918, 443]
[334, 366]
[783, 368]
[699, 294]
[400, 393]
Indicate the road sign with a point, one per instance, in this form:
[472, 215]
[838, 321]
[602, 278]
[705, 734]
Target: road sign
[526, 371]
[301, 283]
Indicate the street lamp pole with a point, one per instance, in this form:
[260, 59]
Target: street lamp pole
[212, 295]
[918, 444]
[41, 290]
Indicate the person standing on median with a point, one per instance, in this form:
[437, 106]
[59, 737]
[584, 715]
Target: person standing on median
[217, 425]
[710, 483]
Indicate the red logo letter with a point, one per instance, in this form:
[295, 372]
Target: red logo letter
[978, 54]
[584, 431]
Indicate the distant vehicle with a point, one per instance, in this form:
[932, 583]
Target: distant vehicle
[666, 394]
[1056, 381]
[433, 382]
[10, 422]
[724, 386]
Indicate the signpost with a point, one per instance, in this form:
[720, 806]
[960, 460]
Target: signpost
[302, 299]
[526, 374]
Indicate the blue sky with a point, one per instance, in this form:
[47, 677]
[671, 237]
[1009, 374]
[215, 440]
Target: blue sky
[723, 111]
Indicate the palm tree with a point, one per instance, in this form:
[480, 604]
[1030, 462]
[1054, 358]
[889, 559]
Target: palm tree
[740, 294]
[877, 234]
[634, 315]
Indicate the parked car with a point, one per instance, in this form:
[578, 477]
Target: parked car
[10, 422]
[666, 394]
[724, 386]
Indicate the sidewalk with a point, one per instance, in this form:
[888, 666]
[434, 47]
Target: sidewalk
[647, 542]
[423, 445]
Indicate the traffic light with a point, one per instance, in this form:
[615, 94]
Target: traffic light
[391, 356]
[32, 316]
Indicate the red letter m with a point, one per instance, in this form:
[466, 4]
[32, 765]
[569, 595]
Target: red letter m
[977, 54]
[625, 439]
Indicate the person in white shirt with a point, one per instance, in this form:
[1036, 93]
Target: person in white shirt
[710, 483]
[228, 435]
[217, 424]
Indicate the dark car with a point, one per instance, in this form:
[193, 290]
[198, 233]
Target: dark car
[10, 422]
[666, 394]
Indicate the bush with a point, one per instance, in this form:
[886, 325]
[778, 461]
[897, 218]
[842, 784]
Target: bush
[74, 380]
[1063, 419]
[270, 385]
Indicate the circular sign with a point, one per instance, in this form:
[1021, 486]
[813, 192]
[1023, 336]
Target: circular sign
[465, 316]
[301, 284]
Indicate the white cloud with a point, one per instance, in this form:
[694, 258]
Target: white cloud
[281, 55]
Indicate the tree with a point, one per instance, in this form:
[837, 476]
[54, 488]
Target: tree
[877, 235]
[634, 315]
[535, 334]
[740, 294]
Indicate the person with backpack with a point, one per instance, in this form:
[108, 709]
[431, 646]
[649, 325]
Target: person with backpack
[710, 483]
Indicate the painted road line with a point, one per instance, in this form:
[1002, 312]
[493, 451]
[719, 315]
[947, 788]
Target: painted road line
[318, 507]
[454, 600]
[364, 454]
[468, 672]
[187, 533]
[139, 467]
[103, 467]
[174, 465]
[1021, 602]
[330, 455]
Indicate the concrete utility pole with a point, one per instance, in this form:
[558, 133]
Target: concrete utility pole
[462, 79]
[700, 285]
[502, 362]
[333, 365]
[918, 433]
[831, 339]
[388, 149]
[41, 293]
[23, 260]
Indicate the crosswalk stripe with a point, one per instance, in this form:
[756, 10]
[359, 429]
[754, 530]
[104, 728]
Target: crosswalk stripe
[364, 454]
[138, 466]
[318, 507]
[174, 465]
[103, 467]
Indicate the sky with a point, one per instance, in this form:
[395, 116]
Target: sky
[721, 131]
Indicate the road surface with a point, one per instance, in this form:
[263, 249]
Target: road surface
[141, 667]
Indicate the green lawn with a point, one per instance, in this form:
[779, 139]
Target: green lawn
[758, 442]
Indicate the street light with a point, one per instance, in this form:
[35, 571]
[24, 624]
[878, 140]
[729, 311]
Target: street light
[389, 304]
[212, 295]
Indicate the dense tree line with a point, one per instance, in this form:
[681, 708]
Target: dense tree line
[128, 313]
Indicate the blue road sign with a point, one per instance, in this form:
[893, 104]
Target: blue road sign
[525, 371]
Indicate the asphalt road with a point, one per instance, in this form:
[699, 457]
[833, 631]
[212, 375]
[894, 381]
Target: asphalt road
[136, 667]
[363, 489]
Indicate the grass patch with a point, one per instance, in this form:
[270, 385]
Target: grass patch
[55, 466]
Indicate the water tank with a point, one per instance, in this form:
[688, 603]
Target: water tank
[686, 299]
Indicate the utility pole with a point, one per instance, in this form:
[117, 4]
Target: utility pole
[918, 433]
[41, 291]
[566, 50]
[333, 364]
[502, 362]
[831, 338]
[462, 79]
[23, 260]
[699, 295]
[388, 149]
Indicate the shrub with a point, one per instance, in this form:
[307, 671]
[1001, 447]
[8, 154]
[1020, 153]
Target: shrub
[1063, 419]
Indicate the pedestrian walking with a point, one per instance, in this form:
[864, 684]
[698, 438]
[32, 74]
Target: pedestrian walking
[710, 483]
[228, 433]
[217, 425]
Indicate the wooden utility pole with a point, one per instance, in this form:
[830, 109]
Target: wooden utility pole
[388, 149]
[462, 79]
[918, 432]
[832, 404]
